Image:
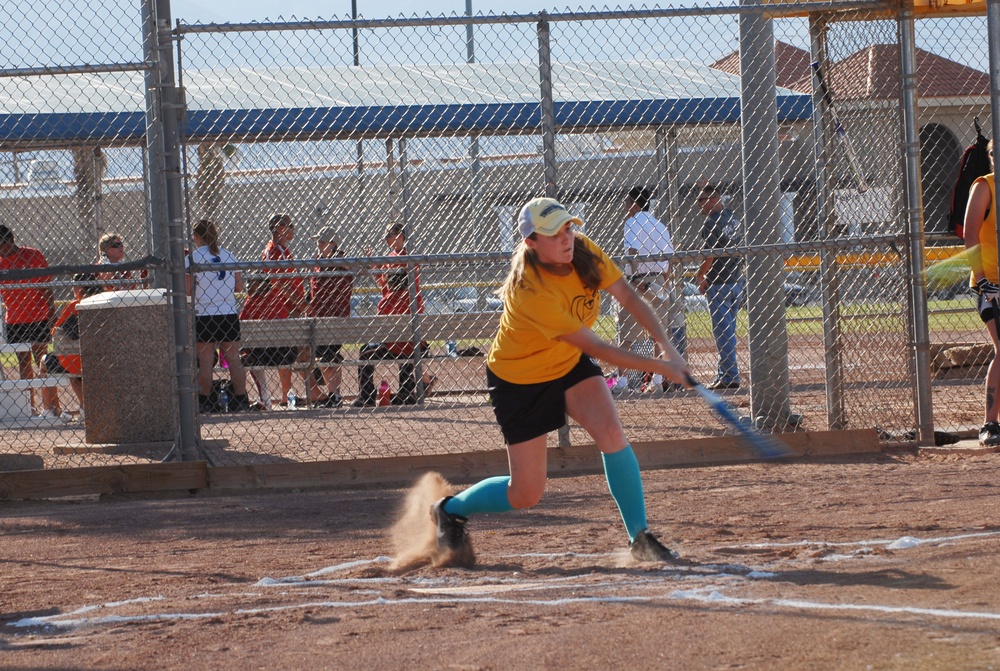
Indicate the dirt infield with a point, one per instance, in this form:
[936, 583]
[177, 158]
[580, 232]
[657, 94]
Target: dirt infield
[877, 562]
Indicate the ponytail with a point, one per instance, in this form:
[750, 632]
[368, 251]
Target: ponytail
[207, 231]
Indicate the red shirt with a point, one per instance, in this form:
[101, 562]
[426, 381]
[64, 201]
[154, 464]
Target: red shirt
[281, 288]
[395, 300]
[71, 362]
[265, 306]
[330, 296]
[394, 282]
[25, 306]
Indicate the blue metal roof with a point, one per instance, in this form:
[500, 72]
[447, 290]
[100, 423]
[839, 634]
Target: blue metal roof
[337, 103]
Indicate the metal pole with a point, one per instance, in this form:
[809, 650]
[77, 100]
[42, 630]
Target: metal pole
[169, 149]
[993, 35]
[768, 334]
[98, 193]
[354, 32]
[411, 269]
[827, 229]
[157, 209]
[475, 164]
[549, 166]
[666, 212]
[360, 208]
[915, 226]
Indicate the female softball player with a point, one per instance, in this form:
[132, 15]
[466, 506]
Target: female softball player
[541, 368]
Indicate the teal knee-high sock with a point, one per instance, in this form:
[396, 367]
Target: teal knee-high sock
[625, 483]
[486, 496]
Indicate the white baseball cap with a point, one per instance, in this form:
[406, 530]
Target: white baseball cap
[546, 216]
[328, 234]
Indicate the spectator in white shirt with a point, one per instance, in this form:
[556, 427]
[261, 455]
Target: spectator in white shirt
[645, 235]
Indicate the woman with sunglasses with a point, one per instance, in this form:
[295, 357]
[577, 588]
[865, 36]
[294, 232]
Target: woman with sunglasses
[112, 253]
[217, 320]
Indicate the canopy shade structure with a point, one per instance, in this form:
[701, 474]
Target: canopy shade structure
[387, 101]
[922, 9]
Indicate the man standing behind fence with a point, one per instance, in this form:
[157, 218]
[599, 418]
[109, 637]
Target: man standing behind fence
[645, 235]
[329, 296]
[27, 311]
[720, 278]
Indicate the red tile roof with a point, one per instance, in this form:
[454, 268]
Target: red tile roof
[872, 73]
[792, 64]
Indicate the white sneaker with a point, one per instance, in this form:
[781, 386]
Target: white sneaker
[80, 416]
[53, 415]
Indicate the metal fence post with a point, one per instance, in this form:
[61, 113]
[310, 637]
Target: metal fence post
[165, 145]
[548, 138]
[915, 230]
[768, 334]
[548, 108]
[153, 150]
[827, 228]
[993, 35]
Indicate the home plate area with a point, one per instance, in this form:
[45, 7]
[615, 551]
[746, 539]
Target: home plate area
[790, 576]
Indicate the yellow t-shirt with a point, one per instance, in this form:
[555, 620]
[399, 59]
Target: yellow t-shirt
[525, 350]
[988, 237]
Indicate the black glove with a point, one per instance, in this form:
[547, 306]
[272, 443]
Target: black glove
[988, 290]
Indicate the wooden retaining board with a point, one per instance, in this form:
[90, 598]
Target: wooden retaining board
[398, 471]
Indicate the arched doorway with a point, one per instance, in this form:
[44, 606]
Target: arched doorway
[940, 154]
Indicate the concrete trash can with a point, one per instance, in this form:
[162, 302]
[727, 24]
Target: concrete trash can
[126, 352]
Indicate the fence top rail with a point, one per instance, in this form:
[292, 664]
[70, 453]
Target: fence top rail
[370, 263]
[773, 9]
[84, 69]
[365, 263]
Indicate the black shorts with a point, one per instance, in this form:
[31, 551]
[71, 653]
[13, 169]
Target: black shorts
[217, 328]
[526, 411]
[33, 332]
[984, 308]
[53, 366]
[269, 356]
[329, 354]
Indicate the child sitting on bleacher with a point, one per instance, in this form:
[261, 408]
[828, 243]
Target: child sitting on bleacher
[66, 329]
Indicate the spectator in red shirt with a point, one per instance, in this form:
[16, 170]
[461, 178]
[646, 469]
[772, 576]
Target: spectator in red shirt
[329, 296]
[285, 296]
[28, 311]
[394, 281]
[262, 304]
[291, 291]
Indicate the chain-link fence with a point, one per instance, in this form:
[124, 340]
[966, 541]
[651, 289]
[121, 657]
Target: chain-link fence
[349, 190]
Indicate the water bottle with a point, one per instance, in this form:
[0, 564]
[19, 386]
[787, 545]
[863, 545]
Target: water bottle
[384, 394]
[291, 399]
[224, 399]
[452, 348]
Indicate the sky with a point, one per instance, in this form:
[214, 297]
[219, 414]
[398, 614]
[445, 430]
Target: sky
[236, 11]
[953, 39]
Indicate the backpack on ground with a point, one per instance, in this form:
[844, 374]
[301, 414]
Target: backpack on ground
[975, 163]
